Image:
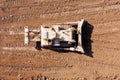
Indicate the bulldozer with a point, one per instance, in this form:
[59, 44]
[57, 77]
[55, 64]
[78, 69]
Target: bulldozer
[67, 36]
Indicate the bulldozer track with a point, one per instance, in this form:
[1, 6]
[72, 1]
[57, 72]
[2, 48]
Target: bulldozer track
[108, 48]
[17, 54]
[27, 68]
[91, 11]
[56, 57]
[86, 62]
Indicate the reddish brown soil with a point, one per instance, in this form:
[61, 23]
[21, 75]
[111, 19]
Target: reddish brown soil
[19, 62]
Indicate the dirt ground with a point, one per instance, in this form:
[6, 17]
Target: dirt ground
[19, 62]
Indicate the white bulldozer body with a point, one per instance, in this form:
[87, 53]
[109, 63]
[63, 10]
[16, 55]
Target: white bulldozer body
[66, 35]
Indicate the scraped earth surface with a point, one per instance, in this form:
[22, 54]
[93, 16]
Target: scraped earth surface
[19, 62]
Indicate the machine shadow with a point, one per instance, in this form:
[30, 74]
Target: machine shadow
[87, 30]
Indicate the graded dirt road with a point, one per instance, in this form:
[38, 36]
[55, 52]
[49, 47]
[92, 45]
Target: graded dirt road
[19, 62]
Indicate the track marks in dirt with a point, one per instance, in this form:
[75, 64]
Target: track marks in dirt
[91, 11]
[28, 68]
[102, 14]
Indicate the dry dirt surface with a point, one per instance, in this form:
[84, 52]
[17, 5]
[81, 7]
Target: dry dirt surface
[19, 62]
